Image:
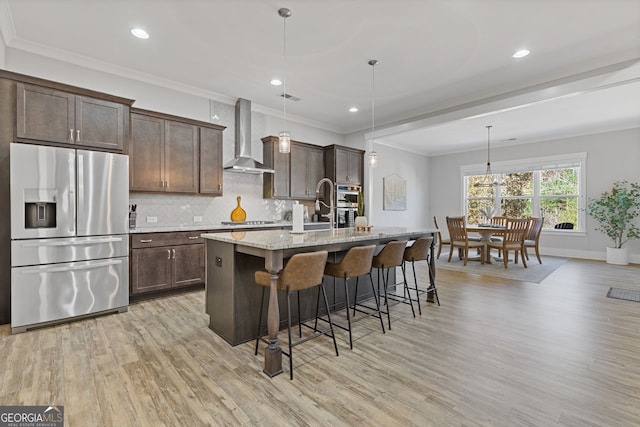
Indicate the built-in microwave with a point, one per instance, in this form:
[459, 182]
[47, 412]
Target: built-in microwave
[347, 196]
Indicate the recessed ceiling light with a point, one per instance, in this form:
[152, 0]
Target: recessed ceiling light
[275, 82]
[140, 33]
[353, 109]
[520, 53]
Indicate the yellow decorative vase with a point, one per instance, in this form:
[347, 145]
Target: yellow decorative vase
[238, 214]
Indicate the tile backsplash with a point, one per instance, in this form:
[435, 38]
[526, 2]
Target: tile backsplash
[179, 210]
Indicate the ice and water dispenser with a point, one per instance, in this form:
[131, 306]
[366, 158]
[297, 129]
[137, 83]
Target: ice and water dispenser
[40, 209]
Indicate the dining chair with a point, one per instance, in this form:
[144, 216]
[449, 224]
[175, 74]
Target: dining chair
[512, 240]
[498, 220]
[460, 239]
[441, 241]
[532, 239]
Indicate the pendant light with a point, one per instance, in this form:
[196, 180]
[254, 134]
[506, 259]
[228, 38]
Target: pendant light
[284, 139]
[373, 156]
[488, 180]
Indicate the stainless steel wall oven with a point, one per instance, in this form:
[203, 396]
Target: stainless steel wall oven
[346, 205]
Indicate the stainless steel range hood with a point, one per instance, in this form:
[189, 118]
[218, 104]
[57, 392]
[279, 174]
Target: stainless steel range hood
[243, 162]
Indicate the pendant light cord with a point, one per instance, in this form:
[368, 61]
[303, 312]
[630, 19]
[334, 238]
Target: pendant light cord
[488, 147]
[284, 77]
[373, 96]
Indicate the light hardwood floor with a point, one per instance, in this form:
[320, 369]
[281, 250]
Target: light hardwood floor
[497, 352]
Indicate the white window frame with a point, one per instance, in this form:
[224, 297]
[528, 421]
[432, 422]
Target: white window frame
[535, 164]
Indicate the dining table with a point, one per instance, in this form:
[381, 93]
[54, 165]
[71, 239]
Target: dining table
[486, 232]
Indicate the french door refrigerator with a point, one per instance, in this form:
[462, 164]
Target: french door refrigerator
[69, 234]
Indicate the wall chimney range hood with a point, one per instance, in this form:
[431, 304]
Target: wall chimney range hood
[243, 162]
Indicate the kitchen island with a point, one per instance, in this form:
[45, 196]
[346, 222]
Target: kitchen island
[232, 297]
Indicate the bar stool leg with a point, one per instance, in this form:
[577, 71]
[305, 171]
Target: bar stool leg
[355, 297]
[385, 280]
[326, 304]
[415, 280]
[377, 300]
[432, 287]
[299, 317]
[289, 333]
[346, 293]
[406, 289]
[260, 321]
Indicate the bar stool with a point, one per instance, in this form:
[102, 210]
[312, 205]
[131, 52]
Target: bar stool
[356, 263]
[391, 257]
[419, 251]
[302, 271]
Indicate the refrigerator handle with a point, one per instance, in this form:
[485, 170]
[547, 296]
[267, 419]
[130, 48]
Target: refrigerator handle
[88, 266]
[66, 242]
[80, 208]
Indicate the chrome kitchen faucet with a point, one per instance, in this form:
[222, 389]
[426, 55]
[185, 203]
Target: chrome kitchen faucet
[331, 207]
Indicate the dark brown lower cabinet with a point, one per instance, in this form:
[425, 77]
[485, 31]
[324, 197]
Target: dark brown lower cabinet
[161, 261]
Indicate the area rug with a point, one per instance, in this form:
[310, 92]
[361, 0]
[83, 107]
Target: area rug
[535, 272]
[625, 294]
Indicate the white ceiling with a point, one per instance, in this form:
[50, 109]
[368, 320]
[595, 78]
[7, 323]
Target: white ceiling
[445, 69]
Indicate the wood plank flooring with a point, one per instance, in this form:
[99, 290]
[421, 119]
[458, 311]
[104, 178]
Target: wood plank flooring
[497, 352]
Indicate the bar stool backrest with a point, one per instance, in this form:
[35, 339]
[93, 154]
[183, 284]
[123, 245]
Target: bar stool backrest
[391, 255]
[419, 251]
[356, 262]
[304, 270]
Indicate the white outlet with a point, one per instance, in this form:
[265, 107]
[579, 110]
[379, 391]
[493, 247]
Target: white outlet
[197, 219]
[152, 219]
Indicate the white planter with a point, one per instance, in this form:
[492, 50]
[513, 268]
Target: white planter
[619, 256]
[360, 221]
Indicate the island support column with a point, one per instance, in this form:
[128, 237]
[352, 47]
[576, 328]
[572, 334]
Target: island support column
[273, 353]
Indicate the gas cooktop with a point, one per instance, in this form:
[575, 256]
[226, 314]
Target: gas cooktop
[260, 222]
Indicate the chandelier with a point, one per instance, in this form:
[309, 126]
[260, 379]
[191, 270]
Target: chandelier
[489, 179]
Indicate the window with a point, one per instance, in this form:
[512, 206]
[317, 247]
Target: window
[549, 187]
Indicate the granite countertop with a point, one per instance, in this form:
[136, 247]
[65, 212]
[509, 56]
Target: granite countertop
[285, 239]
[216, 227]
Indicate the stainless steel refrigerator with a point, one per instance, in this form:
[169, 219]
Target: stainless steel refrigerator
[69, 234]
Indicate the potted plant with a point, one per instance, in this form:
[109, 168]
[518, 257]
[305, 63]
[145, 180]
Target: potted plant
[360, 220]
[615, 211]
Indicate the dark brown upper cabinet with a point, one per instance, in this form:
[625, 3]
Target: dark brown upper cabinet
[210, 161]
[307, 168]
[52, 115]
[275, 185]
[344, 165]
[173, 155]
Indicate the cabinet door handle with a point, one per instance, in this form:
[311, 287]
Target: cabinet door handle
[174, 253]
[194, 237]
[146, 240]
[219, 186]
[166, 184]
[168, 253]
[78, 135]
[71, 135]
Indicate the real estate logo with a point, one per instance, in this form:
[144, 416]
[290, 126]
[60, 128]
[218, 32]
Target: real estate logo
[31, 416]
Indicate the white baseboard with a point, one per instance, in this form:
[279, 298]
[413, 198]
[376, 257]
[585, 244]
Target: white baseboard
[575, 253]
